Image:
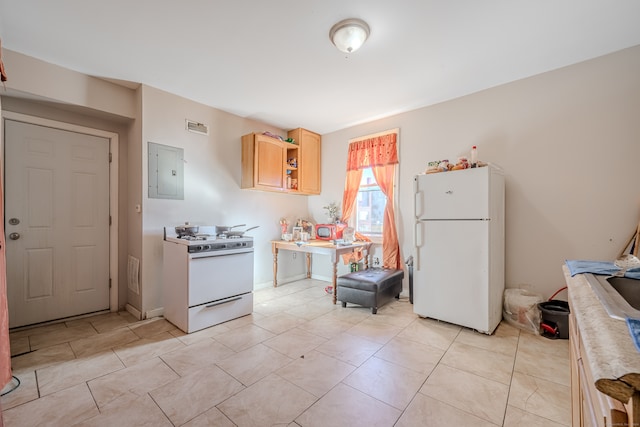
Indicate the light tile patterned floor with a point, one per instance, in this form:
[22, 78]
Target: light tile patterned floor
[298, 360]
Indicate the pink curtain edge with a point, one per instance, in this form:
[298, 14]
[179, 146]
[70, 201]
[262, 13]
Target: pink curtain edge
[5, 350]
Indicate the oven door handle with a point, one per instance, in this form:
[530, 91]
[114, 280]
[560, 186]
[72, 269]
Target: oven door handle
[225, 252]
[223, 302]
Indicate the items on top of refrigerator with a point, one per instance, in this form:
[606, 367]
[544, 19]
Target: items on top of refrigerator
[433, 166]
[462, 163]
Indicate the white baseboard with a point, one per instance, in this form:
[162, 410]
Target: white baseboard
[156, 312]
[281, 281]
[134, 311]
[263, 285]
[320, 277]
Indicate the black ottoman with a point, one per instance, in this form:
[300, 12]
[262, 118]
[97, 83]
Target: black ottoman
[373, 287]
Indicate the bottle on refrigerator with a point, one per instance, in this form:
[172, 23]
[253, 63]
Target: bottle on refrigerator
[474, 156]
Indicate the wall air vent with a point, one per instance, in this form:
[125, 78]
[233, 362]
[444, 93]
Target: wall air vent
[195, 127]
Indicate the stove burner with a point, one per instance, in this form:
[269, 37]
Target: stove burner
[196, 237]
[224, 236]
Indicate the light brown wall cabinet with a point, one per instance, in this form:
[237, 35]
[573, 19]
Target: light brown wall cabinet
[590, 407]
[263, 162]
[273, 165]
[308, 160]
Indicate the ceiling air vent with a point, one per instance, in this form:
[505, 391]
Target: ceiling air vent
[196, 127]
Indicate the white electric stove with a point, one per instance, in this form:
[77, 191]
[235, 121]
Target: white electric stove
[208, 279]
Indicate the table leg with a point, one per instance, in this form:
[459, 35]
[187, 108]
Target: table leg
[308, 265]
[366, 258]
[274, 250]
[334, 281]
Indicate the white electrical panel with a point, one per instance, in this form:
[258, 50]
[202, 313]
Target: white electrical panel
[166, 172]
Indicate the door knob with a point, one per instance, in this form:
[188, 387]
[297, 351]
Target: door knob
[14, 236]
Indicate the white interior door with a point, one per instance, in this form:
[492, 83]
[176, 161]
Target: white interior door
[56, 223]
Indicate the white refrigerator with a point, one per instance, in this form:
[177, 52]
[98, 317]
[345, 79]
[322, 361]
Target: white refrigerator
[458, 272]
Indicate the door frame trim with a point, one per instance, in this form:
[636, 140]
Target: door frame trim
[114, 148]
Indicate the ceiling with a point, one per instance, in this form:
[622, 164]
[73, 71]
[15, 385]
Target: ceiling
[272, 61]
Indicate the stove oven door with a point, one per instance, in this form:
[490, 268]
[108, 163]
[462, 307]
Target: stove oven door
[220, 274]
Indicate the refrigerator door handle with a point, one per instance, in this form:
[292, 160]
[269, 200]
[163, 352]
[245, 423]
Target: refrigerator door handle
[417, 204]
[417, 197]
[417, 236]
[417, 242]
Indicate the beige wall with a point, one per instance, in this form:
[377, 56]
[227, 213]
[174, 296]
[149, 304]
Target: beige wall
[569, 144]
[212, 193]
[44, 80]
[134, 195]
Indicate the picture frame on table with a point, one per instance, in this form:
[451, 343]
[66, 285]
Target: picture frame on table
[296, 231]
[307, 227]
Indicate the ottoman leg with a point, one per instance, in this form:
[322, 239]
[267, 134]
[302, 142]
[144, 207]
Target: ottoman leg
[344, 304]
[374, 310]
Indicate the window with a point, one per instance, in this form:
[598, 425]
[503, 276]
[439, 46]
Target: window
[369, 214]
[366, 194]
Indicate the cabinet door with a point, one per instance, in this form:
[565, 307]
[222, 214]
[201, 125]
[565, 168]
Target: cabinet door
[309, 167]
[574, 353]
[270, 157]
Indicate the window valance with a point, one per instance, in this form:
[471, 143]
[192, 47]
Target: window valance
[376, 151]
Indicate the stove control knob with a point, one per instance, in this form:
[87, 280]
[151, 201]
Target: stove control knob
[206, 247]
[199, 248]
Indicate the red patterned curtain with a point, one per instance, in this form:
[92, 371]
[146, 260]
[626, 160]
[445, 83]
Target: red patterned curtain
[377, 151]
[5, 352]
[3, 73]
[351, 187]
[381, 154]
[385, 177]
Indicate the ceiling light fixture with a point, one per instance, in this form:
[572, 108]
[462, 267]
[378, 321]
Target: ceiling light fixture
[349, 35]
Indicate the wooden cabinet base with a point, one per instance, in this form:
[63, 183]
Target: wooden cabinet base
[590, 407]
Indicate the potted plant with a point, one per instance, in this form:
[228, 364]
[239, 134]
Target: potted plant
[333, 212]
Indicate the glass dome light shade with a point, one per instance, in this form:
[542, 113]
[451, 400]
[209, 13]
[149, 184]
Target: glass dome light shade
[349, 35]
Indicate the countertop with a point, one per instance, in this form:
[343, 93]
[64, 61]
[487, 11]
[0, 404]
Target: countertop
[613, 359]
